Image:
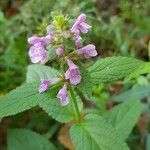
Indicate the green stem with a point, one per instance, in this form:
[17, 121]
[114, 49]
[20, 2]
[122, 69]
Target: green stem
[75, 105]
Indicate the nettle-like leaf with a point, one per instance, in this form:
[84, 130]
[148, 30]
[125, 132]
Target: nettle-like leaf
[27, 96]
[133, 94]
[113, 68]
[37, 72]
[20, 99]
[23, 139]
[123, 117]
[96, 134]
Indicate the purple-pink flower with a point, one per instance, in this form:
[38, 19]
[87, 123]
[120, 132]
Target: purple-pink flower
[78, 41]
[44, 85]
[38, 54]
[87, 51]
[73, 73]
[38, 40]
[59, 51]
[80, 25]
[63, 96]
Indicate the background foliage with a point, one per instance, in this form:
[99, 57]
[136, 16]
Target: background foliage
[118, 28]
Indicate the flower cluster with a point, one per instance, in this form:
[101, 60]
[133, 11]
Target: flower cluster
[55, 33]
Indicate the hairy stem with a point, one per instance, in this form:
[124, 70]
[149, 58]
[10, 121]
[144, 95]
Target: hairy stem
[75, 105]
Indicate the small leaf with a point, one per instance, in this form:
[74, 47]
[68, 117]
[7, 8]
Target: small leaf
[23, 139]
[37, 72]
[113, 68]
[124, 117]
[96, 134]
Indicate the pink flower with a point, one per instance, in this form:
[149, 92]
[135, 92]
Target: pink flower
[80, 25]
[78, 41]
[38, 40]
[59, 51]
[38, 54]
[63, 96]
[88, 51]
[73, 73]
[44, 86]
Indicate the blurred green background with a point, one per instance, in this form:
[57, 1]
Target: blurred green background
[119, 27]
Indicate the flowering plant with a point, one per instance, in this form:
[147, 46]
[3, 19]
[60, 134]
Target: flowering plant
[61, 92]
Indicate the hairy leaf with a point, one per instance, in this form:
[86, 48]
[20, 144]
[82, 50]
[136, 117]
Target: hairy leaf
[113, 68]
[96, 134]
[23, 139]
[124, 117]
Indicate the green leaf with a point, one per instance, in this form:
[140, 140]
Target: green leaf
[58, 112]
[124, 117]
[20, 99]
[96, 134]
[23, 139]
[86, 82]
[37, 72]
[133, 94]
[113, 68]
[143, 69]
[27, 96]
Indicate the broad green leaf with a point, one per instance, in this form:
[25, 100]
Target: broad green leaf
[113, 68]
[37, 72]
[96, 134]
[27, 96]
[20, 99]
[148, 142]
[23, 139]
[58, 112]
[86, 82]
[124, 117]
[133, 94]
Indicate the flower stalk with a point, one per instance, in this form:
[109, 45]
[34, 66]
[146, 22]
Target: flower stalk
[75, 105]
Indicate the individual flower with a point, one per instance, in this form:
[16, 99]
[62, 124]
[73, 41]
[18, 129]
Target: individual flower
[80, 25]
[63, 96]
[38, 40]
[38, 54]
[87, 51]
[59, 51]
[73, 73]
[78, 41]
[44, 86]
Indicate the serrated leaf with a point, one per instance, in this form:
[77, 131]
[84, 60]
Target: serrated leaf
[23, 139]
[20, 99]
[27, 96]
[58, 112]
[113, 68]
[124, 117]
[133, 94]
[86, 82]
[37, 72]
[96, 134]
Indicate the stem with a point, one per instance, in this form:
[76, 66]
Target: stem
[75, 106]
